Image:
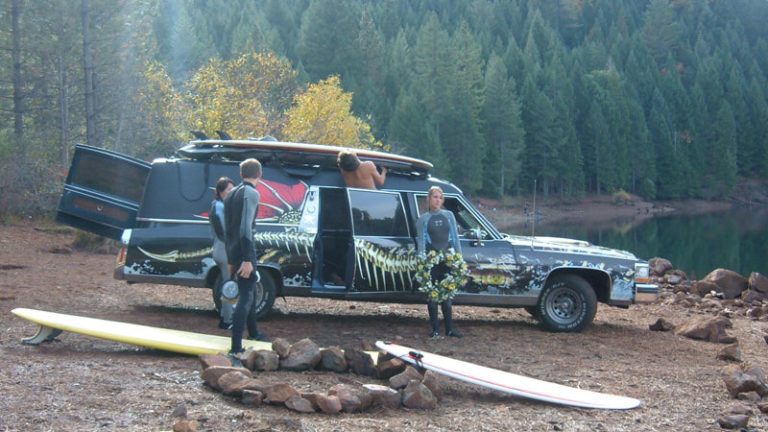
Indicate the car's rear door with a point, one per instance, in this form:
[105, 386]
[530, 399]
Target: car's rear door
[103, 191]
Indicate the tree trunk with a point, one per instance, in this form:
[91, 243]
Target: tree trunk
[63, 89]
[18, 80]
[90, 106]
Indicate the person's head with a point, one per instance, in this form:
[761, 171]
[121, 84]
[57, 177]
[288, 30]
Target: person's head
[223, 186]
[435, 198]
[250, 169]
[348, 160]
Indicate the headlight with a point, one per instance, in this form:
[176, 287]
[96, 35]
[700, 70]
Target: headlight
[642, 272]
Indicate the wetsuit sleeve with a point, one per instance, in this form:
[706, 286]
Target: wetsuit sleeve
[250, 207]
[454, 234]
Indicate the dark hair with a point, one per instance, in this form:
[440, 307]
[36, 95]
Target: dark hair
[222, 184]
[250, 168]
[348, 160]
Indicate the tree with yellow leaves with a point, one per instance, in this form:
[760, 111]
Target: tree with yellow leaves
[323, 115]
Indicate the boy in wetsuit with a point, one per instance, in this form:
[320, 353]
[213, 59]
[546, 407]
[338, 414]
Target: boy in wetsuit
[240, 209]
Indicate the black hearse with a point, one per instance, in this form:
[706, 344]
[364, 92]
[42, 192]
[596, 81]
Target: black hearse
[318, 238]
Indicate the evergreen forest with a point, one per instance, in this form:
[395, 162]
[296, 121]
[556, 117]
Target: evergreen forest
[666, 99]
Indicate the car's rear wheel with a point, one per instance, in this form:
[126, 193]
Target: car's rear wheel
[568, 304]
[266, 290]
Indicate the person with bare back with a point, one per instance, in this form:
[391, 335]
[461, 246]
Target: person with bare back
[360, 174]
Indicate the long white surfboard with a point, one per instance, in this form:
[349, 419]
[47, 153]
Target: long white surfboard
[508, 382]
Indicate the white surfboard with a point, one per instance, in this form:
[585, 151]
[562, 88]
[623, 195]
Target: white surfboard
[508, 382]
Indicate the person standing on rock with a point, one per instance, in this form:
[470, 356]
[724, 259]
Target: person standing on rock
[216, 219]
[240, 209]
[436, 230]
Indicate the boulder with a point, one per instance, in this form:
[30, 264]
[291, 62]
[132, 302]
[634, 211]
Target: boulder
[332, 359]
[403, 378]
[662, 324]
[733, 421]
[212, 374]
[329, 404]
[742, 380]
[751, 297]
[417, 396]
[261, 360]
[279, 393]
[252, 397]
[208, 360]
[233, 383]
[709, 329]
[383, 396]
[704, 287]
[434, 382]
[360, 362]
[299, 404]
[730, 283]
[659, 266]
[303, 355]
[758, 282]
[185, 426]
[390, 367]
[281, 347]
[352, 398]
[730, 353]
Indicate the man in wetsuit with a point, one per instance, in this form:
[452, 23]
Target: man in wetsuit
[359, 174]
[240, 209]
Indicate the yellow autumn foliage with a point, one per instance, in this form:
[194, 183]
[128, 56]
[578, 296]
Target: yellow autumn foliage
[323, 114]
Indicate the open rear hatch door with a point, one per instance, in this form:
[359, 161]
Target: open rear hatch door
[103, 191]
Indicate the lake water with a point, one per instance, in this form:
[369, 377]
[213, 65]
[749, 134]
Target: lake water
[697, 244]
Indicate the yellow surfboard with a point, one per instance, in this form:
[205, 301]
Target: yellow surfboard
[52, 324]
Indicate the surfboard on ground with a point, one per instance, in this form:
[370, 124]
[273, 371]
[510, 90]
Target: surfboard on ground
[301, 154]
[508, 382]
[52, 324]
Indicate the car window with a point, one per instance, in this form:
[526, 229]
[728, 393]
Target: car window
[377, 213]
[110, 175]
[465, 220]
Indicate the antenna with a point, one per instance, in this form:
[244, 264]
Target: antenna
[533, 215]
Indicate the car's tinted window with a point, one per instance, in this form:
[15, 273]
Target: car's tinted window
[465, 220]
[110, 175]
[376, 213]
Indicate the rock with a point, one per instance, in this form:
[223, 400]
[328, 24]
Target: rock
[185, 426]
[704, 287]
[738, 380]
[417, 396]
[281, 346]
[360, 362]
[733, 421]
[730, 353]
[755, 312]
[659, 266]
[709, 329]
[434, 382]
[673, 279]
[352, 398]
[662, 324]
[312, 398]
[233, 383]
[758, 282]
[299, 404]
[751, 396]
[730, 283]
[384, 396]
[390, 367]
[180, 411]
[303, 355]
[332, 359]
[403, 378]
[279, 393]
[763, 407]
[208, 360]
[252, 397]
[751, 297]
[329, 404]
[212, 374]
[262, 360]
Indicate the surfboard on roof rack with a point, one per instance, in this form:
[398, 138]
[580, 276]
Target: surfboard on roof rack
[297, 154]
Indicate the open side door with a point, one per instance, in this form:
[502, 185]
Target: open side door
[103, 191]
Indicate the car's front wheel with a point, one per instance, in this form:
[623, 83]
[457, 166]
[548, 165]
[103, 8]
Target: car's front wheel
[568, 304]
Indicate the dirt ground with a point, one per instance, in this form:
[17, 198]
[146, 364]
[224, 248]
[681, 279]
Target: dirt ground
[79, 383]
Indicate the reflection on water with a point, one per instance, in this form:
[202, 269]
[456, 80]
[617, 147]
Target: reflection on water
[697, 244]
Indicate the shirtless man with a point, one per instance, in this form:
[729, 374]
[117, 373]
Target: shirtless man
[359, 174]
